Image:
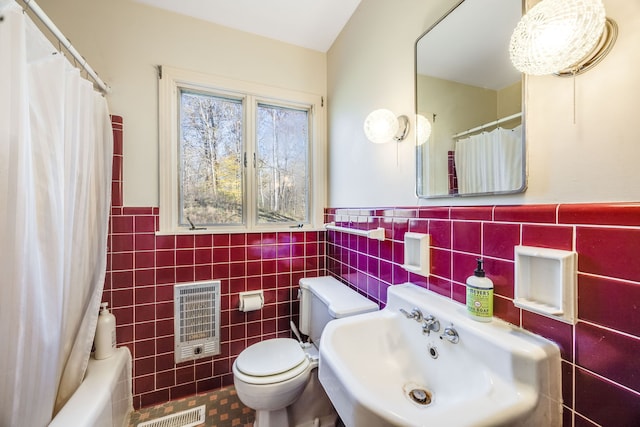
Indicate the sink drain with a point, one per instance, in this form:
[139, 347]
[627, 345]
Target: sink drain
[433, 352]
[418, 394]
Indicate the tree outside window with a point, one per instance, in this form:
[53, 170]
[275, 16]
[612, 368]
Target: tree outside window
[213, 155]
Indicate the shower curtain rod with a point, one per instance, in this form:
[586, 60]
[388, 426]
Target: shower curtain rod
[42, 16]
[486, 125]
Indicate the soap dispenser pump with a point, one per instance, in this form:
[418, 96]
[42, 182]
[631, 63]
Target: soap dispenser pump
[480, 295]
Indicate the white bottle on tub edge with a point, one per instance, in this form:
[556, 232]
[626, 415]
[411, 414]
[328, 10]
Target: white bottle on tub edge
[105, 341]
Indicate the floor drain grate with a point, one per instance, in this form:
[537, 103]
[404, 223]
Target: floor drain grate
[188, 418]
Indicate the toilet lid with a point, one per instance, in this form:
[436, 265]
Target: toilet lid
[270, 357]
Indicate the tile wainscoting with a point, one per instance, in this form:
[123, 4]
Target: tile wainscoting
[601, 369]
[601, 372]
[142, 268]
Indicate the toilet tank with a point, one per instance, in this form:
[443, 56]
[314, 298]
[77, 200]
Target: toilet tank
[325, 298]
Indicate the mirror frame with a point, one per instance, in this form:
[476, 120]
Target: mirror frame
[420, 148]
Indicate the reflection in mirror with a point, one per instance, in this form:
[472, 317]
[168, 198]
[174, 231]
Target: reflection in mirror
[470, 93]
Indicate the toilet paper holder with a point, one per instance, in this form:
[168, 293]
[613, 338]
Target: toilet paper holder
[251, 300]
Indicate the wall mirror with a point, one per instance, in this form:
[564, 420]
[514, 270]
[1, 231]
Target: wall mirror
[471, 95]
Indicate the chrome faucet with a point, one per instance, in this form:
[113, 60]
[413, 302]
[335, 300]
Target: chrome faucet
[430, 324]
[415, 314]
[450, 335]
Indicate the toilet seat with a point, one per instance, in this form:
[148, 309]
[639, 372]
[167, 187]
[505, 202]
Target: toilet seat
[271, 361]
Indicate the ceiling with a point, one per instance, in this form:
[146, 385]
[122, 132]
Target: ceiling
[313, 24]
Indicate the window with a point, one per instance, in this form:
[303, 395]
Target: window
[282, 163]
[210, 169]
[238, 156]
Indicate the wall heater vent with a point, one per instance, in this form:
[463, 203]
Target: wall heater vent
[196, 320]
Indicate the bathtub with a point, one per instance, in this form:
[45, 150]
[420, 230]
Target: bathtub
[104, 397]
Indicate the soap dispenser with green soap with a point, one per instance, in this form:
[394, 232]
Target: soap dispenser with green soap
[480, 295]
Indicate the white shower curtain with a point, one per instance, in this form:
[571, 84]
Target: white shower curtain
[489, 161]
[55, 182]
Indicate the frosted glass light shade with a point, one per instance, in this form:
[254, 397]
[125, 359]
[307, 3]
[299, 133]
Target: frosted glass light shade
[556, 34]
[381, 126]
[423, 129]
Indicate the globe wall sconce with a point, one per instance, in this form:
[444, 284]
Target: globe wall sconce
[423, 128]
[562, 37]
[383, 126]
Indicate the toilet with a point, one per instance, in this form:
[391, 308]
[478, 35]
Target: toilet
[278, 377]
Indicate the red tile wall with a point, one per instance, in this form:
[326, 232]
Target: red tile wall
[143, 267]
[451, 172]
[116, 186]
[601, 368]
[601, 372]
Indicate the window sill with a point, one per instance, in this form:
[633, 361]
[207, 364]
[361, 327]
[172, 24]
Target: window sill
[186, 231]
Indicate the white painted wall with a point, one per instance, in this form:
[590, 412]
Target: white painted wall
[371, 66]
[124, 41]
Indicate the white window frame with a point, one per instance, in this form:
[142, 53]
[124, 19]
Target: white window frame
[169, 85]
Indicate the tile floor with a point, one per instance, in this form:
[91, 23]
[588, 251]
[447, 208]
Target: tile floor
[224, 409]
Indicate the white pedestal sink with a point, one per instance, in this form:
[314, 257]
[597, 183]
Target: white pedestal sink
[381, 369]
